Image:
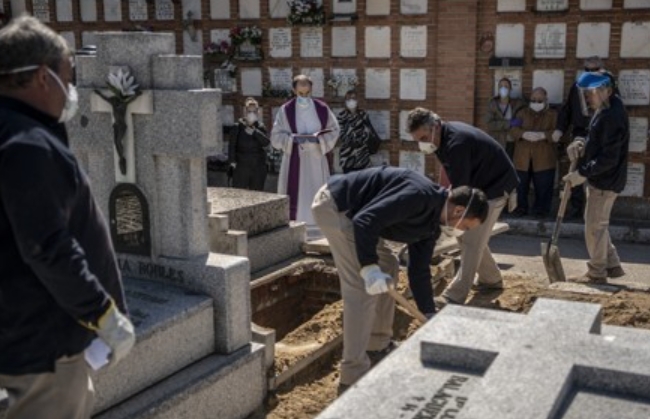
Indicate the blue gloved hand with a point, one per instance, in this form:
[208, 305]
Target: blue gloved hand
[516, 122]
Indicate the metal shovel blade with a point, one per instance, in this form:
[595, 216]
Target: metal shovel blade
[553, 263]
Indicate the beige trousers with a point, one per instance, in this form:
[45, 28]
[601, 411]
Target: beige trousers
[475, 256]
[602, 253]
[66, 393]
[367, 319]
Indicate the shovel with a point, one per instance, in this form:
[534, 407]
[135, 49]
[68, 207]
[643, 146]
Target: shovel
[413, 311]
[550, 251]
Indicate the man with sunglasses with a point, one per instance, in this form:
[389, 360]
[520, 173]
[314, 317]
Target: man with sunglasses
[471, 158]
[60, 287]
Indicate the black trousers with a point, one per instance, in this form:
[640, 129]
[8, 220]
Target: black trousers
[249, 175]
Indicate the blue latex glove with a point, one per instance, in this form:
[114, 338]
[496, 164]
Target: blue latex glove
[516, 122]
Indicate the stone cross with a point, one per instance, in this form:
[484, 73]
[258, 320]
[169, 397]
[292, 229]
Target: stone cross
[536, 366]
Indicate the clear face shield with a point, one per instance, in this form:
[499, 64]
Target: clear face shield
[593, 99]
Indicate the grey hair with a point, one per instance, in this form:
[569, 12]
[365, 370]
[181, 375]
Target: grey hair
[419, 117]
[25, 41]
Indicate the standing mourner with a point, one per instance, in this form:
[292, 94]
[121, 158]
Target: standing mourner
[570, 116]
[471, 158]
[60, 286]
[358, 139]
[535, 155]
[357, 212]
[247, 149]
[501, 115]
[305, 129]
[602, 163]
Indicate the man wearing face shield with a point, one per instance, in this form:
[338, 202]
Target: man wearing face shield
[60, 287]
[305, 129]
[601, 163]
[471, 158]
[247, 149]
[357, 212]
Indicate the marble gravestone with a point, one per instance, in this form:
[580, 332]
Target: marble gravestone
[158, 216]
[595, 4]
[511, 5]
[63, 11]
[403, 134]
[552, 81]
[344, 41]
[281, 78]
[278, 9]
[251, 81]
[413, 41]
[380, 121]
[311, 42]
[634, 86]
[377, 42]
[550, 40]
[88, 10]
[220, 9]
[138, 10]
[552, 5]
[41, 10]
[317, 77]
[638, 134]
[377, 83]
[413, 84]
[635, 40]
[280, 42]
[593, 39]
[557, 361]
[378, 8]
[112, 10]
[509, 40]
[249, 9]
[635, 180]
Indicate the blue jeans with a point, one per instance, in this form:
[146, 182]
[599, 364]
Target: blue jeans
[543, 184]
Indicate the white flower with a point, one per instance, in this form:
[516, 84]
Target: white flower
[123, 82]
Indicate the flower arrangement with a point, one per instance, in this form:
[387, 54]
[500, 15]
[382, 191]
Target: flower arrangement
[306, 12]
[241, 34]
[122, 85]
[269, 91]
[220, 49]
[342, 83]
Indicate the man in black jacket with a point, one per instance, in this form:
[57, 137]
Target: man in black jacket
[357, 212]
[471, 158]
[602, 162]
[60, 286]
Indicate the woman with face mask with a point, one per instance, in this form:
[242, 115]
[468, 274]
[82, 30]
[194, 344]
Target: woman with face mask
[501, 112]
[247, 149]
[358, 139]
[535, 155]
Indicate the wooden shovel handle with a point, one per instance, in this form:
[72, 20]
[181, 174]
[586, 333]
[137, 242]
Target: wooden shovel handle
[413, 311]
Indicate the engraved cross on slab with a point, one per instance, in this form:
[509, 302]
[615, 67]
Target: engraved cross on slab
[547, 364]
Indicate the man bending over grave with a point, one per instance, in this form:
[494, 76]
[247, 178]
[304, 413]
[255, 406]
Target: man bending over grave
[305, 129]
[471, 158]
[357, 212]
[60, 286]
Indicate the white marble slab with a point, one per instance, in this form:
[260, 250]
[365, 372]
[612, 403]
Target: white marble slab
[412, 84]
[635, 180]
[193, 47]
[638, 134]
[550, 40]
[413, 7]
[112, 10]
[344, 6]
[412, 160]
[378, 7]
[595, 4]
[509, 40]
[280, 42]
[552, 5]
[41, 10]
[634, 86]
[164, 10]
[18, 7]
[88, 10]
[63, 10]
[344, 74]
[249, 9]
[635, 40]
[380, 121]
[317, 77]
[511, 5]
[193, 6]
[138, 10]
[69, 39]
[515, 77]
[636, 4]
[88, 38]
[281, 78]
[279, 9]
[219, 35]
[403, 134]
[251, 81]
[377, 83]
[311, 42]
[593, 39]
[228, 115]
[413, 41]
[220, 9]
[377, 42]
[344, 41]
[553, 82]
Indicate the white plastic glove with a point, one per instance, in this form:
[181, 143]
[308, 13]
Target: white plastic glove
[233, 165]
[574, 178]
[557, 134]
[532, 136]
[376, 281]
[116, 330]
[540, 136]
[576, 149]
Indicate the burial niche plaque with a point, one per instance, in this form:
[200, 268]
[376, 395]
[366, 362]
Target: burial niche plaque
[129, 219]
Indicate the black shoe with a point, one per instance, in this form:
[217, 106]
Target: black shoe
[615, 272]
[377, 356]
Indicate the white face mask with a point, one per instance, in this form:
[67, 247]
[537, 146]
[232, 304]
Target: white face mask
[251, 117]
[504, 92]
[351, 104]
[537, 107]
[427, 147]
[303, 100]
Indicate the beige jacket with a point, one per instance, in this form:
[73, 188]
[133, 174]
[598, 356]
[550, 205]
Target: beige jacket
[542, 153]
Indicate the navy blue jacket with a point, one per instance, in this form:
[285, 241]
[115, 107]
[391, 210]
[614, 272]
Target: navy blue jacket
[394, 204]
[473, 158]
[57, 266]
[604, 163]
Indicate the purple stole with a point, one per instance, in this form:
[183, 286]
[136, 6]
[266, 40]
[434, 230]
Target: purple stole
[293, 179]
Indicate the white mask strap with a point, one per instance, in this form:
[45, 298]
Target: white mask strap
[20, 70]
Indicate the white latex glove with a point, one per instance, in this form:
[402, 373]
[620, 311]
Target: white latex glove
[376, 281]
[576, 149]
[574, 178]
[541, 136]
[117, 331]
[557, 134]
[233, 165]
[529, 136]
